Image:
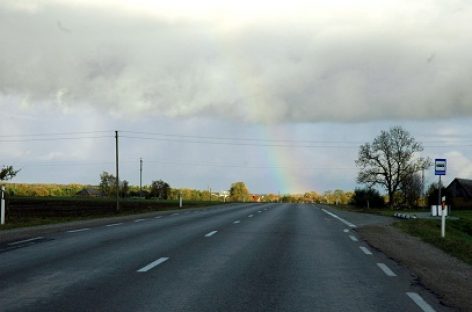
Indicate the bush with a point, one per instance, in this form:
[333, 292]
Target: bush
[363, 196]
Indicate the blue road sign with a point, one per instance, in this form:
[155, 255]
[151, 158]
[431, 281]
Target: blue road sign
[440, 165]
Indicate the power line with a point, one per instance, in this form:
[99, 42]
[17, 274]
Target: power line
[54, 134]
[54, 139]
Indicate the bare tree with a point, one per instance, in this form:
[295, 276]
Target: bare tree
[389, 160]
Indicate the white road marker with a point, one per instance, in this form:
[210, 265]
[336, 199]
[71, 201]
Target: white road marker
[339, 218]
[139, 220]
[386, 269]
[114, 224]
[25, 241]
[365, 250]
[211, 233]
[158, 217]
[250, 216]
[236, 222]
[153, 264]
[346, 231]
[353, 238]
[420, 302]
[78, 230]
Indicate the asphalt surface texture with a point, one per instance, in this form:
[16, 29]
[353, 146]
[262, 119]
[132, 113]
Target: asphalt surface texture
[237, 257]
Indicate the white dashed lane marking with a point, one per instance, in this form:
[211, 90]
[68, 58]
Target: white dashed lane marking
[153, 264]
[353, 238]
[236, 222]
[114, 224]
[139, 220]
[250, 216]
[365, 250]
[211, 233]
[420, 302]
[78, 230]
[386, 269]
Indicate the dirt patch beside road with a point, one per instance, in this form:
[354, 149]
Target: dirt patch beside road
[449, 278]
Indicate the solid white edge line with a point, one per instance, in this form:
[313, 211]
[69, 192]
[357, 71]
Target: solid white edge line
[420, 302]
[353, 238]
[365, 250]
[25, 241]
[386, 269]
[339, 218]
[114, 224]
[211, 233]
[153, 264]
[78, 230]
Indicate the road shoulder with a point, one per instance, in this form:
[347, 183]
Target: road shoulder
[449, 278]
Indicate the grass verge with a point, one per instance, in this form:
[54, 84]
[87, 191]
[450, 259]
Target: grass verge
[458, 240]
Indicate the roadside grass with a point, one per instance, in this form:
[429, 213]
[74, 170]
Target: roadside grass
[458, 240]
[13, 222]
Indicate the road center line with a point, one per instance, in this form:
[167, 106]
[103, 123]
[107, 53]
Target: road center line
[25, 241]
[365, 250]
[236, 222]
[153, 264]
[78, 230]
[339, 218]
[386, 269]
[114, 224]
[211, 233]
[420, 302]
[353, 238]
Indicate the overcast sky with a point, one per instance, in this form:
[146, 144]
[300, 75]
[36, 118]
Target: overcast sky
[278, 94]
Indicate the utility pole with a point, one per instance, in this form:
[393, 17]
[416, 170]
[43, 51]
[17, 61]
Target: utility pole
[117, 173]
[140, 177]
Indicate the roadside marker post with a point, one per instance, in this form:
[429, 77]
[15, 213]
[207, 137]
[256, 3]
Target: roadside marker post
[2, 221]
[180, 200]
[440, 165]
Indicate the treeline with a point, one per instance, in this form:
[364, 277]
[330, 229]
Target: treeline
[329, 197]
[39, 190]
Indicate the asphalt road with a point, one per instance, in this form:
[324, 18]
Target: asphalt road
[241, 257]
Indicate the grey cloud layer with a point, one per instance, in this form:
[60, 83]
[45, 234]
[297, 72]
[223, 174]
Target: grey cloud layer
[308, 70]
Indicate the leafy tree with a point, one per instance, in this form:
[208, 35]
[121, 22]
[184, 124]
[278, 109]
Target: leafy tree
[107, 183]
[7, 173]
[389, 160]
[367, 198]
[160, 189]
[239, 192]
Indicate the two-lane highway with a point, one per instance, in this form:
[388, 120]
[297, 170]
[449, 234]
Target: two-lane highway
[241, 257]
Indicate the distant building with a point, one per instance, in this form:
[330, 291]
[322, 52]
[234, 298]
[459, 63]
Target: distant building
[459, 193]
[89, 192]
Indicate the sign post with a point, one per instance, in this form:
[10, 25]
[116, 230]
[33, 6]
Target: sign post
[2, 208]
[440, 165]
